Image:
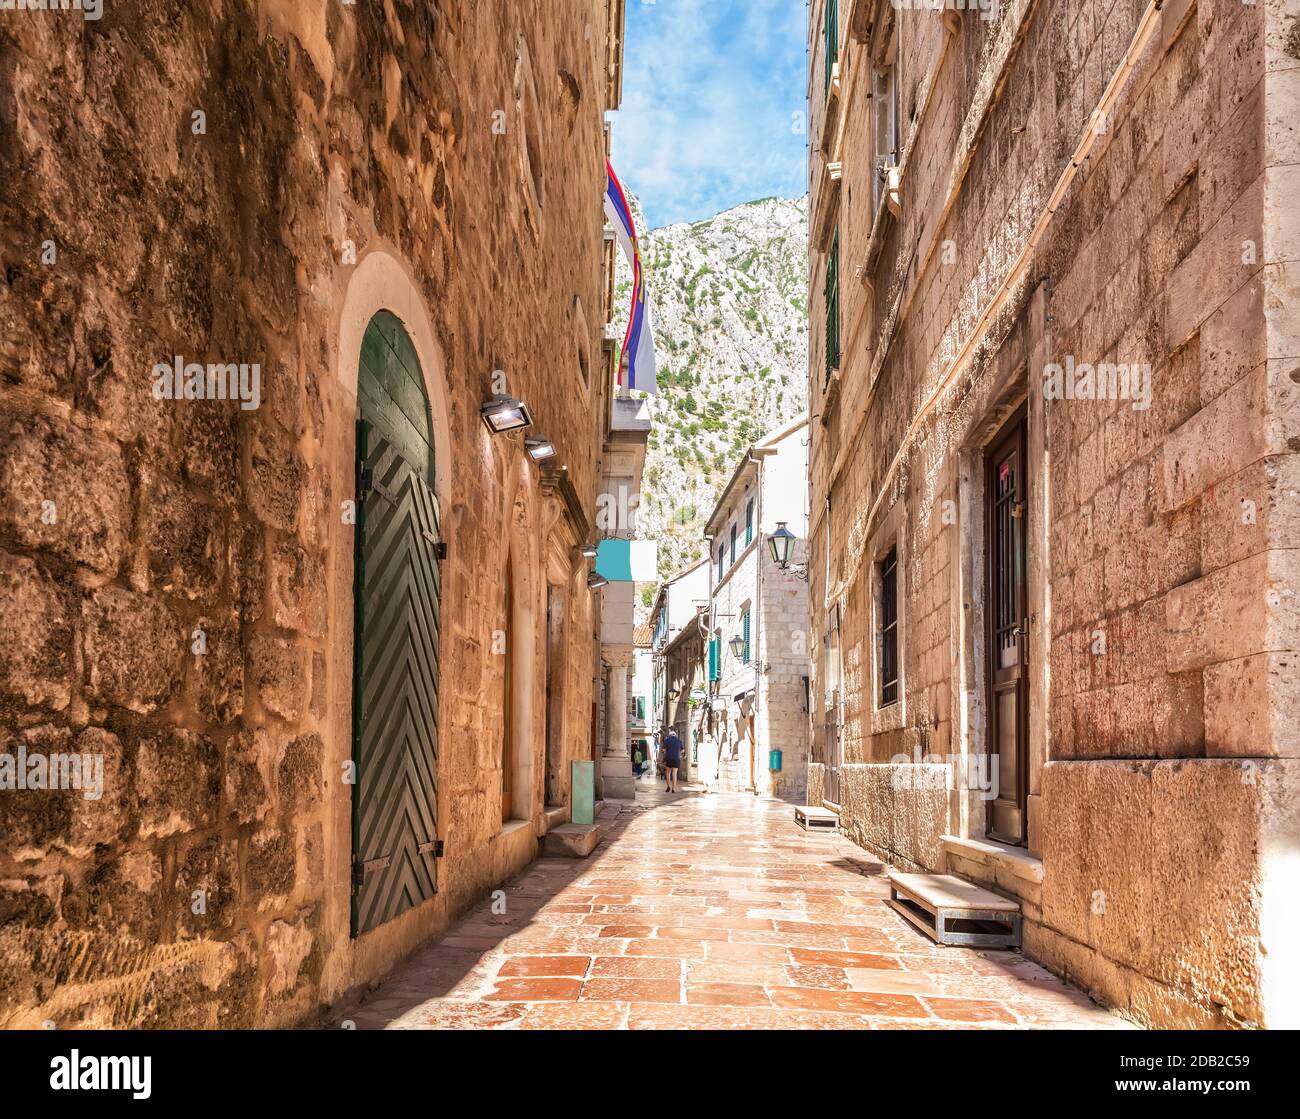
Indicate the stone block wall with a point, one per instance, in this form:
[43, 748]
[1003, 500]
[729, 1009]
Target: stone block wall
[1162, 567]
[176, 576]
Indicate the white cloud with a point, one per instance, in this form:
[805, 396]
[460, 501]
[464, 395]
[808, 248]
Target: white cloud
[709, 94]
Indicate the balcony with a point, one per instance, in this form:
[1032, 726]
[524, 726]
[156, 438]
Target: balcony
[631, 418]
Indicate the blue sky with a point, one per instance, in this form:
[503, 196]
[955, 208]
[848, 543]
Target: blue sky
[709, 92]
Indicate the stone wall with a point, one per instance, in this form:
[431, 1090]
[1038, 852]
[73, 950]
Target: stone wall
[1161, 541]
[237, 184]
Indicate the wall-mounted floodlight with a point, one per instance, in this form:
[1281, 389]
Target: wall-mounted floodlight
[539, 447]
[505, 413]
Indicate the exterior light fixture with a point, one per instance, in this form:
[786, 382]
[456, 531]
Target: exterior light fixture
[505, 413]
[673, 693]
[539, 447]
[588, 551]
[782, 544]
[595, 581]
[737, 646]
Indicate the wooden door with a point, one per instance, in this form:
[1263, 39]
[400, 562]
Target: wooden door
[1007, 487]
[397, 591]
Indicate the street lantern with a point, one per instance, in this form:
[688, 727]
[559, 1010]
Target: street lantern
[782, 545]
[737, 645]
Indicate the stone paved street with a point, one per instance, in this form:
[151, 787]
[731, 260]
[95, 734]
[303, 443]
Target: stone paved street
[716, 912]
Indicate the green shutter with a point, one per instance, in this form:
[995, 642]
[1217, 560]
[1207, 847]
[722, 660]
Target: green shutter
[831, 37]
[749, 523]
[714, 672]
[744, 625]
[833, 307]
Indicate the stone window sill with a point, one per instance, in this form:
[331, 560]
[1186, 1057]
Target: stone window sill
[887, 718]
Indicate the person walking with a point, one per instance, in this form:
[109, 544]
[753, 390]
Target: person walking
[672, 759]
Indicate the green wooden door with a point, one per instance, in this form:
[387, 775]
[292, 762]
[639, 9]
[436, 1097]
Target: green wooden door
[395, 680]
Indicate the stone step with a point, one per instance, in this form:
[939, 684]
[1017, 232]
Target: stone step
[953, 911]
[573, 841]
[554, 816]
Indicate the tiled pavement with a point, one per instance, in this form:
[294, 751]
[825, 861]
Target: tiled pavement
[715, 912]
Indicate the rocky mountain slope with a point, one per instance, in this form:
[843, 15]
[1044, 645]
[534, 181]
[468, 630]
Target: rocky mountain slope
[729, 304]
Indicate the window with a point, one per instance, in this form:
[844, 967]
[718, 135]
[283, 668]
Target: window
[831, 37]
[721, 552]
[744, 636]
[733, 542]
[884, 112]
[888, 665]
[833, 307]
[749, 523]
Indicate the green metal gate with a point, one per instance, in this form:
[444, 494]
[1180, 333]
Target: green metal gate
[395, 843]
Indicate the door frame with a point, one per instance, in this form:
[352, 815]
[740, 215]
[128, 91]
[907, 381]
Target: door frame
[408, 453]
[1014, 431]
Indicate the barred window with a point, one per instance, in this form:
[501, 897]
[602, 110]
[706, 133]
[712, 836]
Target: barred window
[888, 668]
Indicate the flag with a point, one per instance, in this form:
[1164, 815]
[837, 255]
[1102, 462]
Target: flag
[628, 561]
[638, 342]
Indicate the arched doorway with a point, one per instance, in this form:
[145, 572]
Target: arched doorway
[395, 657]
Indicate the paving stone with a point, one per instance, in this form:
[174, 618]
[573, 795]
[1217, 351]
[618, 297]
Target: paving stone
[632, 990]
[545, 965]
[727, 994]
[635, 967]
[535, 990]
[758, 926]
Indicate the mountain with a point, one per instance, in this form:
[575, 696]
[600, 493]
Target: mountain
[729, 305]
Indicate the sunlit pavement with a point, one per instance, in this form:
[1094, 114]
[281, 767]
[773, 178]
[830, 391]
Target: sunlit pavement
[711, 911]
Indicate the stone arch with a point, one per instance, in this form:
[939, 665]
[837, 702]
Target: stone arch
[382, 282]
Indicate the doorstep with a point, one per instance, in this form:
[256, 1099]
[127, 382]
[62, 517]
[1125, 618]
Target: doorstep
[1016, 861]
[573, 841]
[811, 818]
[953, 912]
[554, 816]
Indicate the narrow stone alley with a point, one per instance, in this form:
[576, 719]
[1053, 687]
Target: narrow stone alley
[709, 912]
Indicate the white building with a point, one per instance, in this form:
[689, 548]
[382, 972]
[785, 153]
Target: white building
[675, 620]
[757, 660]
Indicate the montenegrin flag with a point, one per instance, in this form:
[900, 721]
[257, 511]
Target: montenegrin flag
[638, 343]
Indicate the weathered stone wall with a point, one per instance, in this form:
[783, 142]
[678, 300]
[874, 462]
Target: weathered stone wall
[1168, 531]
[133, 530]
